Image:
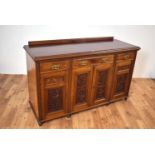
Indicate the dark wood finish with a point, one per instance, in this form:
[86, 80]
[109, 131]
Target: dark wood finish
[123, 73]
[81, 88]
[71, 50]
[72, 75]
[32, 84]
[53, 66]
[126, 56]
[102, 82]
[54, 88]
[68, 41]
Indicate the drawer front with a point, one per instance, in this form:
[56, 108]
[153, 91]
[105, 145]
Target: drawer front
[105, 59]
[126, 56]
[54, 66]
[54, 80]
[78, 63]
[87, 62]
[124, 65]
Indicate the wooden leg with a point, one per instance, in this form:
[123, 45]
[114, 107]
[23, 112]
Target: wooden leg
[68, 117]
[39, 123]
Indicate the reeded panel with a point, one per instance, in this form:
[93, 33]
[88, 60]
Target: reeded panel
[81, 88]
[121, 83]
[101, 84]
[55, 99]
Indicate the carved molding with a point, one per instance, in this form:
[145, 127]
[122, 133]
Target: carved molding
[55, 99]
[53, 80]
[81, 89]
[101, 84]
[121, 83]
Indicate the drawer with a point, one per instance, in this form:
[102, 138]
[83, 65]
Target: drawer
[54, 66]
[105, 59]
[126, 56]
[87, 62]
[124, 65]
[51, 79]
[81, 63]
[54, 80]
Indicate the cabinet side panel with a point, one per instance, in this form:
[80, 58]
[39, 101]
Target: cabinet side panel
[131, 72]
[32, 84]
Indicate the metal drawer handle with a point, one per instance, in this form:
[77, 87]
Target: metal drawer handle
[126, 56]
[55, 67]
[83, 63]
[104, 60]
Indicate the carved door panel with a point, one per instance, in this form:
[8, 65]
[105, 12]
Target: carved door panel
[122, 79]
[102, 79]
[81, 88]
[54, 88]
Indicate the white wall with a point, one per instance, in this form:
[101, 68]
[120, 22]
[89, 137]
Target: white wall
[12, 39]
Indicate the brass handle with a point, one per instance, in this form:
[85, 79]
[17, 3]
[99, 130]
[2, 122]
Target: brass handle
[104, 60]
[126, 56]
[83, 63]
[55, 67]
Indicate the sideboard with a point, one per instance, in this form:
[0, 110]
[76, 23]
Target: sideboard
[71, 75]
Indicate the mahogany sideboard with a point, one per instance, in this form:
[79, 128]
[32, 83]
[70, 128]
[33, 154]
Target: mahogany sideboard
[71, 75]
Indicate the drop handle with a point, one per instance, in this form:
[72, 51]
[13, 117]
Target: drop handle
[55, 67]
[104, 60]
[83, 63]
[126, 56]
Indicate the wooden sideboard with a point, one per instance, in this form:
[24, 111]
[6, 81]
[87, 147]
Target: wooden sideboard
[71, 75]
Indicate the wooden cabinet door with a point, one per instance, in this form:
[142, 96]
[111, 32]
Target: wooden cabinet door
[122, 79]
[54, 87]
[81, 88]
[102, 79]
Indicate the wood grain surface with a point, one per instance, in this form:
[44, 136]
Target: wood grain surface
[61, 50]
[137, 112]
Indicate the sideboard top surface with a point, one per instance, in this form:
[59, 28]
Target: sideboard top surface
[42, 50]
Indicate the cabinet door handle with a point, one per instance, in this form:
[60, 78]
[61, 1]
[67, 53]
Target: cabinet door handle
[55, 67]
[126, 56]
[83, 63]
